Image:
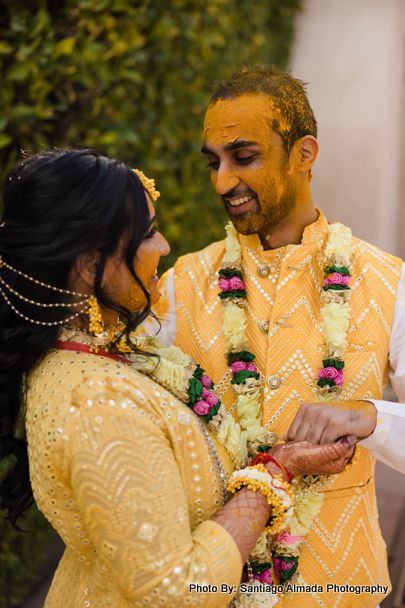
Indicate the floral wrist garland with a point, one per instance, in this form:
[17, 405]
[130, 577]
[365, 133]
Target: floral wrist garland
[335, 312]
[278, 493]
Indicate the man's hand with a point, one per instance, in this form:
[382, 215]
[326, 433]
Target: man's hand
[327, 422]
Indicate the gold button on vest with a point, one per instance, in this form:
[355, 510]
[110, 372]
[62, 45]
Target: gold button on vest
[272, 438]
[264, 326]
[274, 381]
[263, 270]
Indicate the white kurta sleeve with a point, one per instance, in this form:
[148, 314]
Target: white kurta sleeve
[387, 443]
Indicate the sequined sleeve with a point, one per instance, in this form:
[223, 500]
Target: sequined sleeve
[133, 505]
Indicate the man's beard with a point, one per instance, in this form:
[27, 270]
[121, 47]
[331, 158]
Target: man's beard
[275, 213]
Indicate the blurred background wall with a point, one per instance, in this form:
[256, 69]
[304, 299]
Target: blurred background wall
[352, 54]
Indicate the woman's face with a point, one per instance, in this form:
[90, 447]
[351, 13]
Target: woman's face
[118, 282]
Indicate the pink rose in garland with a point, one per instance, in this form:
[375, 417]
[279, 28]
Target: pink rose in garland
[281, 566]
[223, 284]
[330, 373]
[286, 539]
[201, 407]
[236, 283]
[206, 381]
[337, 279]
[339, 378]
[205, 393]
[238, 366]
[251, 367]
[264, 577]
[212, 400]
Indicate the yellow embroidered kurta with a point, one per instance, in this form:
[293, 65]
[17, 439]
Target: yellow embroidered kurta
[283, 287]
[128, 478]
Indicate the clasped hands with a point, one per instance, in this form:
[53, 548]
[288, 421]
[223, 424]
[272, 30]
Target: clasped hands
[322, 436]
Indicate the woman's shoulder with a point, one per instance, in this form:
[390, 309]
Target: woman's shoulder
[67, 380]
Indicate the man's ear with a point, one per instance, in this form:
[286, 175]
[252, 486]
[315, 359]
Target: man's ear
[85, 267]
[307, 151]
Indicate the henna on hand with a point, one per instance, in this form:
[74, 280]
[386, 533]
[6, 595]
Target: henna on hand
[304, 458]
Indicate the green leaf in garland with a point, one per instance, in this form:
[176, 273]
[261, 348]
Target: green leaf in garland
[213, 412]
[243, 355]
[286, 574]
[257, 568]
[195, 391]
[237, 293]
[231, 273]
[340, 269]
[240, 377]
[335, 287]
[326, 381]
[199, 372]
[264, 448]
[333, 363]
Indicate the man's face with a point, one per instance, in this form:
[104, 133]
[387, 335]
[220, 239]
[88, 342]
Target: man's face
[249, 170]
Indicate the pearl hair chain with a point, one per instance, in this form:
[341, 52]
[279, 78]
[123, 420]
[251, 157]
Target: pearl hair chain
[42, 305]
[41, 322]
[26, 276]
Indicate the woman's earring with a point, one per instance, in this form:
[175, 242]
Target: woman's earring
[100, 339]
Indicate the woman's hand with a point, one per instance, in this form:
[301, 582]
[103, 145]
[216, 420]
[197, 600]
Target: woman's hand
[304, 458]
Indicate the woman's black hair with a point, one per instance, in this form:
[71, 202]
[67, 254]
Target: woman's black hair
[58, 204]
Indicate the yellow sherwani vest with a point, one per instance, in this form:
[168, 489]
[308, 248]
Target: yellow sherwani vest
[345, 545]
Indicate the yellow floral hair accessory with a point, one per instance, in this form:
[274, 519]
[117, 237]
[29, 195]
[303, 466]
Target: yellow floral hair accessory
[148, 184]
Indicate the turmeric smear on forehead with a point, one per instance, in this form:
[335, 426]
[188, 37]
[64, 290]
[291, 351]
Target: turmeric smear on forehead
[245, 117]
[248, 117]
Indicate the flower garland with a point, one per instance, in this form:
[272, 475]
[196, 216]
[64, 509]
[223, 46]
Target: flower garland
[336, 311]
[187, 380]
[245, 376]
[282, 552]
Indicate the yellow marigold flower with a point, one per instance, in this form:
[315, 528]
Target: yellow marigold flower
[148, 184]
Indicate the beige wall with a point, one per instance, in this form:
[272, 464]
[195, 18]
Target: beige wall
[352, 54]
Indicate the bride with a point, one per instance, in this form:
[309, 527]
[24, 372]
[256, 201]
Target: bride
[129, 453]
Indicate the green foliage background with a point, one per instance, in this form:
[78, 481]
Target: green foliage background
[131, 79]
[23, 557]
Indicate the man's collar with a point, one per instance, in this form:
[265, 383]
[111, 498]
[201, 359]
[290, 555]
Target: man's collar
[314, 233]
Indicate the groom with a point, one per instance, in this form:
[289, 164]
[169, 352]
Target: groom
[260, 141]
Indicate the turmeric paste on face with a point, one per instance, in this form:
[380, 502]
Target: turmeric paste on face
[270, 178]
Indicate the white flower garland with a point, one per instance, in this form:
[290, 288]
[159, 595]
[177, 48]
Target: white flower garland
[336, 311]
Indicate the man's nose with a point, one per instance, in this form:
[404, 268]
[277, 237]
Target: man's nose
[226, 180]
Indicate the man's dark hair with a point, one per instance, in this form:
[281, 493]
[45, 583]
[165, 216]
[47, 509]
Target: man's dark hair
[287, 94]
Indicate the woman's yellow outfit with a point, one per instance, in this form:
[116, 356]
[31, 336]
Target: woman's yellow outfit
[129, 478]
